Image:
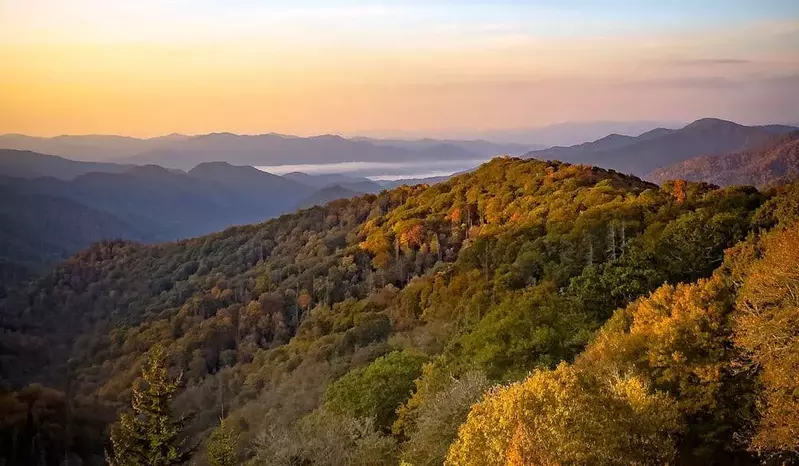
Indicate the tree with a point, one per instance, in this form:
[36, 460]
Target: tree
[149, 436]
[438, 416]
[568, 416]
[325, 439]
[221, 446]
[377, 390]
[767, 330]
[679, 191]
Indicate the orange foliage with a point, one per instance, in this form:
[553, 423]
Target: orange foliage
[679, 191]
[455, 215]
[413, 236]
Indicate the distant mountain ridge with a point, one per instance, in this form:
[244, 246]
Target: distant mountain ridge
[27, 164]
[576, 132]
[776, 162]
[174, 204]
[95, 148]
[351, 183]
[51, 207]
[40, 229]
[662, 147]
[184, 152]
[148, 202]
[326, 195]
[476, 146]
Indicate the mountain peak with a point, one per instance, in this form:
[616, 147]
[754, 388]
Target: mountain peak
[221, 167]
[328, 137]
[709, 122]
[149, 169]
[210, 165]
[614, 137]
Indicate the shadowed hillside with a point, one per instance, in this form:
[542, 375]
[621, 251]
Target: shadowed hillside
[777, 162]
[662, 147]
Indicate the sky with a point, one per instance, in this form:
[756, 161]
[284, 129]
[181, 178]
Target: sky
[152, 67]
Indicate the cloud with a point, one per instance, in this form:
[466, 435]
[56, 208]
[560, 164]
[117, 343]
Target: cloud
[707, 61]
[710, 82]
[713, 82]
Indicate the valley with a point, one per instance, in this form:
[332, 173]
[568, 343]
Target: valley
[369, 326]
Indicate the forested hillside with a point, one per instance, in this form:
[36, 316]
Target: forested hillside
[362, 332]
[777, 162]
[694, 373]
[40, 230]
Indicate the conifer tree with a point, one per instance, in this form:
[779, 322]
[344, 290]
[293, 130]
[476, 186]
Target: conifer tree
[221, 446]
[148, 436]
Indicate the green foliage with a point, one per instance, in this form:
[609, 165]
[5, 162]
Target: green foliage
[662, 382]
[377, 390]
[536, 328]
[148, 436]
[220, 448]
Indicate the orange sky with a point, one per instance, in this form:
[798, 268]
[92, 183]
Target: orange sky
[147, 69]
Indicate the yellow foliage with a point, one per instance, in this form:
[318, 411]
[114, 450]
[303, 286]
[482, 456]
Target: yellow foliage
[569, 416]
[767, 329]
[624, 400]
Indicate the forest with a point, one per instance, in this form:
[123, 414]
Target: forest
[528, 312]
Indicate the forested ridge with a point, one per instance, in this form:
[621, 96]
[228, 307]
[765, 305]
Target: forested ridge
[599, 306]
[774, 163]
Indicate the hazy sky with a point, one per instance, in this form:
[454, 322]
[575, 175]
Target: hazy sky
[151, 67]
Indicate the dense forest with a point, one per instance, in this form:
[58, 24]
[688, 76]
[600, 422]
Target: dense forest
[528, 312]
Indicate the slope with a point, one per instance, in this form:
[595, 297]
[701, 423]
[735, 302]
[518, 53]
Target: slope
[40, 230]
[320, 181]
[172, 204]
[691, 374]
[659, 148]
[249, 181]
[328, 194]
[500, 270]
[777, 162]
[26, 164]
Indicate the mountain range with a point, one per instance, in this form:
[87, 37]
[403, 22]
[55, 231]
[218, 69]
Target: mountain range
[661, 147]
[576, 132]
[175, 204]
[184, 152]
[52, 207]
[91, 201]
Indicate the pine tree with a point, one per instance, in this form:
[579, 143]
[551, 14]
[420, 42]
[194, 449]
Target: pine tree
[148, 436]
[221, 446]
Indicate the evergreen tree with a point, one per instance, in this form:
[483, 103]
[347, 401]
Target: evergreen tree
[221, 446]
[148, 436]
